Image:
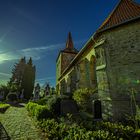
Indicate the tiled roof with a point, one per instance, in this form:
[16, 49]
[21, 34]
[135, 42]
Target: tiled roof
[125, 11]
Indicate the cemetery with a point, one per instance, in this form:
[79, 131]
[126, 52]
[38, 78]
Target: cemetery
[97, 90]
[62, 117]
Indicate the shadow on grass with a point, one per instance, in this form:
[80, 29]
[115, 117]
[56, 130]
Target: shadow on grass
[15, 104]
[3, 134]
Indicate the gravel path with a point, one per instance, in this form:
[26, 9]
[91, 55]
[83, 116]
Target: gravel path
[19, 125]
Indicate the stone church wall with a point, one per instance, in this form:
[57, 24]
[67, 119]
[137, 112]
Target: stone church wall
[122, 55]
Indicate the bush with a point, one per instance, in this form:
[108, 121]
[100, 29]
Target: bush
[117, 129]
[82, 97]
[11, 97]
[3, 107]
[38, 111]
[31, 108]
[55, 130]
[52, 102]
[42, 101]
[50, 126]
[66, 131]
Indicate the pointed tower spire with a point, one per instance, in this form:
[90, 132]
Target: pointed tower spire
[69, 43]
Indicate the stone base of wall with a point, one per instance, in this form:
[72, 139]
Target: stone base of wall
[123, 109]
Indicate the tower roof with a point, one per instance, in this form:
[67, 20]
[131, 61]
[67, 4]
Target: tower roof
[69, 45]
[125, 11]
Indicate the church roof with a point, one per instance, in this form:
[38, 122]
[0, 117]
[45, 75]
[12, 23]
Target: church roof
[69, 45]
[125, 11]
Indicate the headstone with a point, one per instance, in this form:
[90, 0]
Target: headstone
[37, 91]
[68, 106]
[47, 90]
[22, 94]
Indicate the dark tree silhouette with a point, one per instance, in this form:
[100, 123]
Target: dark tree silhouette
[17, 72]
[23, 75]
[28, 79]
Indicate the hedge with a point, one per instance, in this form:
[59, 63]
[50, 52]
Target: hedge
[38, 111]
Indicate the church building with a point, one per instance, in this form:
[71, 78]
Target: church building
[108, 62]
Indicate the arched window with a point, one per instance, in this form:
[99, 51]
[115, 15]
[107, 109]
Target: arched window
[87, 72]
[93, 79]
[82, 73]
[68, 84]
[100, 56]
[63, 86]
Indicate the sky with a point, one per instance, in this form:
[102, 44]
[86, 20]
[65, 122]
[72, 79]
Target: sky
[39, 29]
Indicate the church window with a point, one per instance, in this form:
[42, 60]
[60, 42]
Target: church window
[87, 70]
[100, 56]
[92, 71]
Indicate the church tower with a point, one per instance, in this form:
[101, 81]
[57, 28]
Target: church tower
[65, 57]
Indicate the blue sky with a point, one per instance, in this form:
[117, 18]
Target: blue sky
[39, 28]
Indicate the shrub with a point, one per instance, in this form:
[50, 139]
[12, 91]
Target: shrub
[12, 97]
[54, 105]
[38, 111]
[52, 102]
[55, 130]
[42, 112]
[50, 126]
[117, 129]
[137, 134]
[82, 97]
[76, 132]
[31, 108]
[3, 107]
[66, 131]
[42, 101]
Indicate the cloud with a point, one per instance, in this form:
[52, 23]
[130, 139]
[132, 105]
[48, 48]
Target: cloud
[35, 52]
[45, 79]
[43, 48]
[2, 37]
[4, 77]
[8, 56]
[4, 74]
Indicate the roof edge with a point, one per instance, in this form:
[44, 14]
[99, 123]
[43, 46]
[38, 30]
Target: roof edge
[125, 22]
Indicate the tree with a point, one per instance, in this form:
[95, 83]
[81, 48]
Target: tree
[23, 76]
[28, 79]
[17, 72]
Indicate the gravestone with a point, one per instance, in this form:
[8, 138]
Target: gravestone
[68, 106]
[37, 91]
